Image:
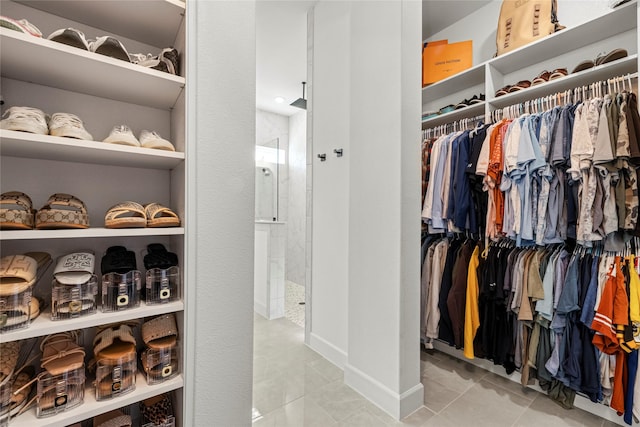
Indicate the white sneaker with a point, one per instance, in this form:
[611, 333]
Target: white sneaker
[151, 139]
[71, 37]
[109, 46]
[68, 125]
[122, 135]
[25, 119]
[21, 25]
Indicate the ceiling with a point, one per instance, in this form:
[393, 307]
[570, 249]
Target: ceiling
[281, 44]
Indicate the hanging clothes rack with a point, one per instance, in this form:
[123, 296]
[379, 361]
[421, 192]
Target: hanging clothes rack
[457, 125]
[580, 93]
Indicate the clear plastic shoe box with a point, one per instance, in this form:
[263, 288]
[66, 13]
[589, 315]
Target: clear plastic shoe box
[58, 393]
[115, 378]
[162, 285]
[121, 291]
[161, 364]
[15, 311]
[71, 301]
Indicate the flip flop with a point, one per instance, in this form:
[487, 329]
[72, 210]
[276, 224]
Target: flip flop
[160, 216]
[158, 257]
[126, 215]
[118, 260]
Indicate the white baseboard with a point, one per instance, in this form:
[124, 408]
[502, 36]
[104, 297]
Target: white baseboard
[261, 309]
[329, 351]
[395, 404]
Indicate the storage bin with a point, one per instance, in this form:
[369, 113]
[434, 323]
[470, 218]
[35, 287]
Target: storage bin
[161, 364]
[121, 291]
[162, 285]
[71, 301]
[115, 377]
[58, 393]
[15, 310]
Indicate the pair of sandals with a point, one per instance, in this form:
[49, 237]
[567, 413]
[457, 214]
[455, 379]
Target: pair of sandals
[61, 383]
[61, 211]
[601, 59]
[134, 215]
[114, 350]
[543, 77]
[15, 384]
[163, 275]
[75, 286]
[160, 360]
[18, 276]
[121, 280]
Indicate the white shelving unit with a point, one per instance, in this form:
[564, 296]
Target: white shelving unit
[103, 92]
[564, 49]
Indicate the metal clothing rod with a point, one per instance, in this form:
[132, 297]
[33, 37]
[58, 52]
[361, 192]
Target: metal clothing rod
[537, 105]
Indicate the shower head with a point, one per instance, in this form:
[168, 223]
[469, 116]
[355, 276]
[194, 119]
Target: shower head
[300, 102]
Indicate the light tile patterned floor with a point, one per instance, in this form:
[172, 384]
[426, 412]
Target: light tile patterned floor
[295, 386]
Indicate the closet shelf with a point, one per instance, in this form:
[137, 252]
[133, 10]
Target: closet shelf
[619, 20]
[602, 72]
[25, 57]
[91, 407]
[43, 325]
[473, 76]
[463, 113]
[33, 146]
[89, 233]
[154, 22]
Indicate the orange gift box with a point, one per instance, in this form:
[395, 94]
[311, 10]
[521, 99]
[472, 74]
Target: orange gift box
[441, 59]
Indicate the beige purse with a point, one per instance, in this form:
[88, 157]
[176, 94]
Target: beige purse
[524, 21]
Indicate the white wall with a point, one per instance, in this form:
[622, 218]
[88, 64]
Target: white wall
[366, 225]
[570, 14]
[297, 209]
[220, 165]
[329, 109]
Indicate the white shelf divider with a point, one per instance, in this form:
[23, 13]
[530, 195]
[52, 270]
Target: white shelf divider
[154, 22]
[29, 145]
[89, 233]
[43, 325]
[91, 407]
[26, 58]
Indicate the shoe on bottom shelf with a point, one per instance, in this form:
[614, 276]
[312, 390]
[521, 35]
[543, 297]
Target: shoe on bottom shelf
[114, 418]
[25, 119]
[123, 135]
[68, 125]
[151, 139]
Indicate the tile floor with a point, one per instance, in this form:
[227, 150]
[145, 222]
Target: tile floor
[295, 386]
